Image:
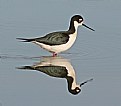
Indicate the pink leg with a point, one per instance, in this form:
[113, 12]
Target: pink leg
[54, 54]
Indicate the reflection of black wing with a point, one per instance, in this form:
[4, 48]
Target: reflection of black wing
[54, 71]
[55, 38]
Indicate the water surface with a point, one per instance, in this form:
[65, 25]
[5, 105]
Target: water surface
[95, 55]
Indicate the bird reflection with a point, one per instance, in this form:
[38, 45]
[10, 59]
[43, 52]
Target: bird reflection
[58, 67]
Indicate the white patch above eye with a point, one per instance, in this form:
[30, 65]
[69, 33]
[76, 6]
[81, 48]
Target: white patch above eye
[80, 19]
[77, 90]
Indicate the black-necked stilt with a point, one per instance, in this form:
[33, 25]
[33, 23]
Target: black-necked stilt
[57, 42]
[60, 68]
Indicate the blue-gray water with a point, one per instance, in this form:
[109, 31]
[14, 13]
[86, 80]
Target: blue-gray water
[94, 55]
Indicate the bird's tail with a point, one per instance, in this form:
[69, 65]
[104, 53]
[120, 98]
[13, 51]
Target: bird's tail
[26, 67]
[25, 40]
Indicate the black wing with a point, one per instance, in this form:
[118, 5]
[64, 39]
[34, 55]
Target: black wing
[54, 71]
[55, 38]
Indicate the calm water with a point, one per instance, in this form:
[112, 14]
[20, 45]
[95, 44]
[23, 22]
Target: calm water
[95, 55]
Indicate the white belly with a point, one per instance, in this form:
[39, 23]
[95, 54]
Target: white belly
[59, 48]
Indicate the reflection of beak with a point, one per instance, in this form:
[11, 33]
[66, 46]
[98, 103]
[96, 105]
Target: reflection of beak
[88, 27]
[85, 82]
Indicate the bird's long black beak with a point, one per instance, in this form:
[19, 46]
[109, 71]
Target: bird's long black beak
[86, 82]
[88, 27]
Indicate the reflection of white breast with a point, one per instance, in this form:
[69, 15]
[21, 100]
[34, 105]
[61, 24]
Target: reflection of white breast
[59, 61]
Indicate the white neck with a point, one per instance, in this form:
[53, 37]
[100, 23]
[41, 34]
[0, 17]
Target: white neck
[76, 25]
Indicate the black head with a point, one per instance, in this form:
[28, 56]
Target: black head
[76, 21]
[77, 18]
[79, 21]
[77, 88]
[75, 91]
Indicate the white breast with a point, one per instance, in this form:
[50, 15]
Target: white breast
[58, 61]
